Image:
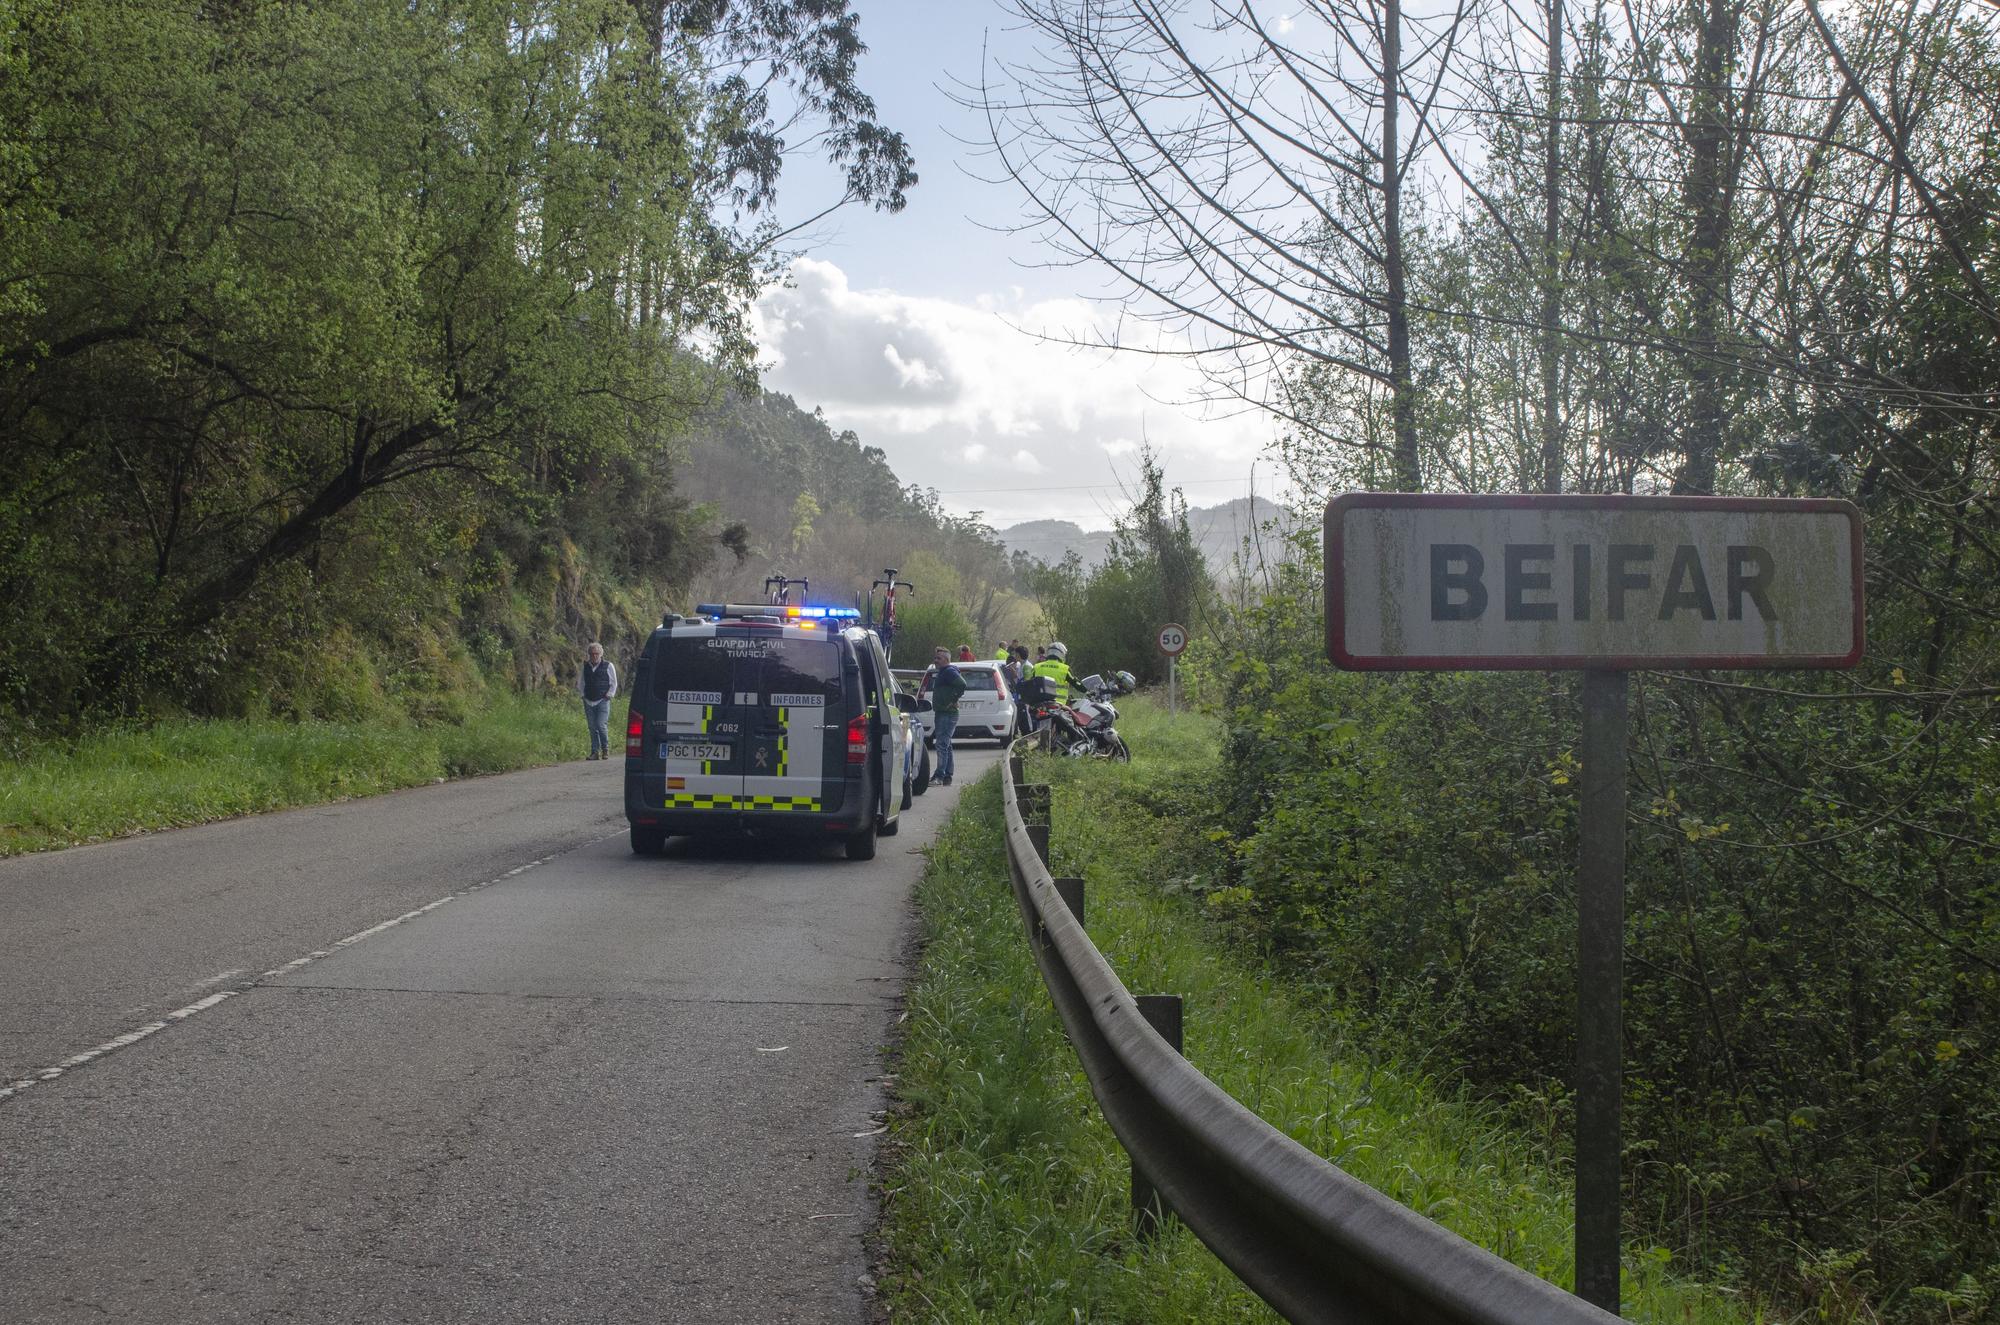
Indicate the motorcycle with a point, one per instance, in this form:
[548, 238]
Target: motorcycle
[1085, 728]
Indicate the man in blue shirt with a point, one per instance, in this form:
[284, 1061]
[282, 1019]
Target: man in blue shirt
[947, 684]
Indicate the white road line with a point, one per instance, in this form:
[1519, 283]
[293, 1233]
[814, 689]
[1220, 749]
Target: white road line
[139, 1033]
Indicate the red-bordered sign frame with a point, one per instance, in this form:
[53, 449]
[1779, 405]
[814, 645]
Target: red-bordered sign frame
[1336, 602]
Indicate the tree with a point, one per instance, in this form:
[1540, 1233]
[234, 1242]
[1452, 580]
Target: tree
[1774, 240]
[1246, 182]
[925, 624]
[272, 262]
[1155, 572]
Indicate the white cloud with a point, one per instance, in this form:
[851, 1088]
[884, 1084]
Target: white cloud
[964, 399]
[913, 372]
[868, 353]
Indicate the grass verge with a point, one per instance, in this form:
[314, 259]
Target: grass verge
[1005, 1195]
[188, 771]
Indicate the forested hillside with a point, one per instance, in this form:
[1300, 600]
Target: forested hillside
[822, 505]
[351, 354]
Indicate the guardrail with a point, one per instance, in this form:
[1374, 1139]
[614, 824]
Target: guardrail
[1315, 1243]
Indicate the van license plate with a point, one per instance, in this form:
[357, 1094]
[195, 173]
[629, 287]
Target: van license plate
[688, 750]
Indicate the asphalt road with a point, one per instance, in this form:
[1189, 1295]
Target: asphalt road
[452, 1054]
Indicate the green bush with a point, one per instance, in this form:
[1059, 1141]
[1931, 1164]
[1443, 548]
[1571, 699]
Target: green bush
[1005, 1195]
[1810, 938]
[926, 624]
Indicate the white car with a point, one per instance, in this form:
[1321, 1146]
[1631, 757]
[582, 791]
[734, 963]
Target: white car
[916, 756]
[985, 712]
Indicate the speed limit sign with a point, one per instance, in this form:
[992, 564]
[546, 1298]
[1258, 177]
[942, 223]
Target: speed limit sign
[1173, 639]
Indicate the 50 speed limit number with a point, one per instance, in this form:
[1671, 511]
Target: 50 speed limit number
[1172, 639]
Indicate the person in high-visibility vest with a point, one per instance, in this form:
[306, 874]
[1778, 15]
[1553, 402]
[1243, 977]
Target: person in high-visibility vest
[1056, 667]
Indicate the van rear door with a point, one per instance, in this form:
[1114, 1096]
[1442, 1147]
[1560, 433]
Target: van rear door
[796, 740]
[700, 739]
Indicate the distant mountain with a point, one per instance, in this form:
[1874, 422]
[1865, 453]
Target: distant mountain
[1219, 529]
[1051, 540]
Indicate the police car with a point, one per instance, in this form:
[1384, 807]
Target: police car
[780, 718]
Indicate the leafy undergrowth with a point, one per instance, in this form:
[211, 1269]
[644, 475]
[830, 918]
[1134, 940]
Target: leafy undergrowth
[1005, 1193]
[190, 771]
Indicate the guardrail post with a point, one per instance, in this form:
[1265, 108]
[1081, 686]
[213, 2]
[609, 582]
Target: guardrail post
[1039, 835]
[1163, 1013]
[1071, 891]
[1034, 802]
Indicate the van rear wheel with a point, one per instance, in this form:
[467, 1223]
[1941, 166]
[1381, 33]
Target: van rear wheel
[861, 845]
[648, 840]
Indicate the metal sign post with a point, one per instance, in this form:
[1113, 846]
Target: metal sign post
[1605, 584]
[1600, 986]
[1172, 639]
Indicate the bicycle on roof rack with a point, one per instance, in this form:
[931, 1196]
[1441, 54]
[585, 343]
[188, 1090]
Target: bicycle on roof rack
[778, 589]
[886, 627]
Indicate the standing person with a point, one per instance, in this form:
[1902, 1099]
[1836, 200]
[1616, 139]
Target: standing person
[1010, 677]
[1021, 669]
[598, 684]
[947, 684]
[965, 653]
[1029, 673]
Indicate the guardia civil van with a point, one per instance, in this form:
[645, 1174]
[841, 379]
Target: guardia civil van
[771, 718]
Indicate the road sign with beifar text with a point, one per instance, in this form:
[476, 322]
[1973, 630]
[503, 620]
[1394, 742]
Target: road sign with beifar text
[1434, 582]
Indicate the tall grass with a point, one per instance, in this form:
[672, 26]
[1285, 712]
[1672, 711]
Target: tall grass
[187, 771]
[1006, 1193]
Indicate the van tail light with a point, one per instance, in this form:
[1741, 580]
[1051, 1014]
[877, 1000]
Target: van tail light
[635, 736]
[857, 739]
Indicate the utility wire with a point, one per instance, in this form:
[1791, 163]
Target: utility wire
[1087, 487]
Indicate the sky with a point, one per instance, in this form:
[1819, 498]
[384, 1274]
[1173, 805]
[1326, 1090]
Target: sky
[917, 330]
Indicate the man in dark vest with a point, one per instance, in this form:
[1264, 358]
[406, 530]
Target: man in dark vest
[947, 685]
[597, 683]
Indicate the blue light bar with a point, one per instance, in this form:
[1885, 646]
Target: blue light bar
[776, 610]
[819, 613]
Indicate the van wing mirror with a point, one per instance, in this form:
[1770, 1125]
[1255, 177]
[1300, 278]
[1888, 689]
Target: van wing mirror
[907, 703]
